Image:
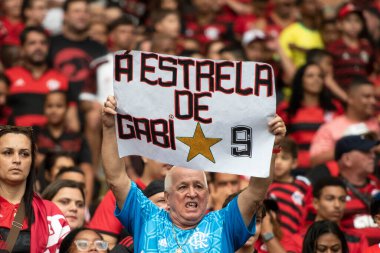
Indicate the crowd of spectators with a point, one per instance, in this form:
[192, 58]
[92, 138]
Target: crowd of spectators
[56, 71]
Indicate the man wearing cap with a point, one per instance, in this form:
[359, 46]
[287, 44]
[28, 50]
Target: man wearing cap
[253, 42]
[355, 158]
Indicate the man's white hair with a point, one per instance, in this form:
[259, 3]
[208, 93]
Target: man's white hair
[169, 179]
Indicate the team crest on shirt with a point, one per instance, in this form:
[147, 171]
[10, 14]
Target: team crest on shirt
[328, 116]
[297, 198]
[346, 56]
[199, 240]
[53, 84]
[272, 196]
[364, 221]
[364, 56]
[163, 243]
[212, 33]
[20, 82]
[264, 247]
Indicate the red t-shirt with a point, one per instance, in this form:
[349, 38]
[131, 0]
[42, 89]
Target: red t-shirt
[356, 214]
[27, 94]
[287, 242]
[10, 32]
[7, 214]
[104, 219]
[373, 249]
[215, 30]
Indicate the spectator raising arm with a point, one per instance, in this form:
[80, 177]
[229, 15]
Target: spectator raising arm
[114, 168]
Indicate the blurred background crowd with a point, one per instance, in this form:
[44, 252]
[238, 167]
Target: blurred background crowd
[56, 70]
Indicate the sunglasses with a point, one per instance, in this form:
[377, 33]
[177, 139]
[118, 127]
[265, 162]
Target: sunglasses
[84, 245]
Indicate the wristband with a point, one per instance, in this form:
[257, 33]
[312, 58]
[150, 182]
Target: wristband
[276, 150]
[267, 237]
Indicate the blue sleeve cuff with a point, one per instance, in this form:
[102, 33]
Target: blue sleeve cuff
[123, 213]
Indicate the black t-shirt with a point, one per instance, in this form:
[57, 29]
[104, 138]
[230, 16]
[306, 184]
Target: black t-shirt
[73, 58]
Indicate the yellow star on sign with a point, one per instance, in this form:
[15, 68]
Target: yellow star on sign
[199, 144]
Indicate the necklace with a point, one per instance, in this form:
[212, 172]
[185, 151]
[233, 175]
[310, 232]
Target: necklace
[179, 249]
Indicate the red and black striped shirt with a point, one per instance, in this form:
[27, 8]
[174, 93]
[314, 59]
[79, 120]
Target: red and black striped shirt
[304, 124]
[291, 199]
[350, 62]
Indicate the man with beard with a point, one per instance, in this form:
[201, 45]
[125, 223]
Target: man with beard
[71, 53]
[31, 81]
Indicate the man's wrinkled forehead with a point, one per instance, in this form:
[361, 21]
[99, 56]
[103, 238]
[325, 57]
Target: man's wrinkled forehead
[180, 174]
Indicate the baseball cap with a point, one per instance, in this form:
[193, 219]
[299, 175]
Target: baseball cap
[353, 142]
[154, 187]
[346, 9]
[253, 35]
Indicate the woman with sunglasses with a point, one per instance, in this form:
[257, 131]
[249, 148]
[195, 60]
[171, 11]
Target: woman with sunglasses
[36, 225]
[83, 240]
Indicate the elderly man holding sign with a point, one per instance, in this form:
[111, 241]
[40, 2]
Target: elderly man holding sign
[184, 227]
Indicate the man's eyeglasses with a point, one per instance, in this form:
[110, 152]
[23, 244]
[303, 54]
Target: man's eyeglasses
[84, 245]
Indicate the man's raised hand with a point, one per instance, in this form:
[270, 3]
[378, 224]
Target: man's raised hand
[278, 128]
[109, 111]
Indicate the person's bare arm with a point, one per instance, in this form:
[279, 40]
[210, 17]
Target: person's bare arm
[322, 147]
[72, 120]
[322, 158]
[238, 7]
[333, 86]
[273, 245]
[289, 69]
[114, 167]
[251, 198]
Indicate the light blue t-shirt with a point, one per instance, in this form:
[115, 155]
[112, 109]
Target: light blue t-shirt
[221, 231]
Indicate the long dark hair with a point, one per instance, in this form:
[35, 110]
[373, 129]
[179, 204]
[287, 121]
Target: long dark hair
[298, 93]
[31, 179]
[319, 228]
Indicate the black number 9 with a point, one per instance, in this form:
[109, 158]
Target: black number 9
[241, 141]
